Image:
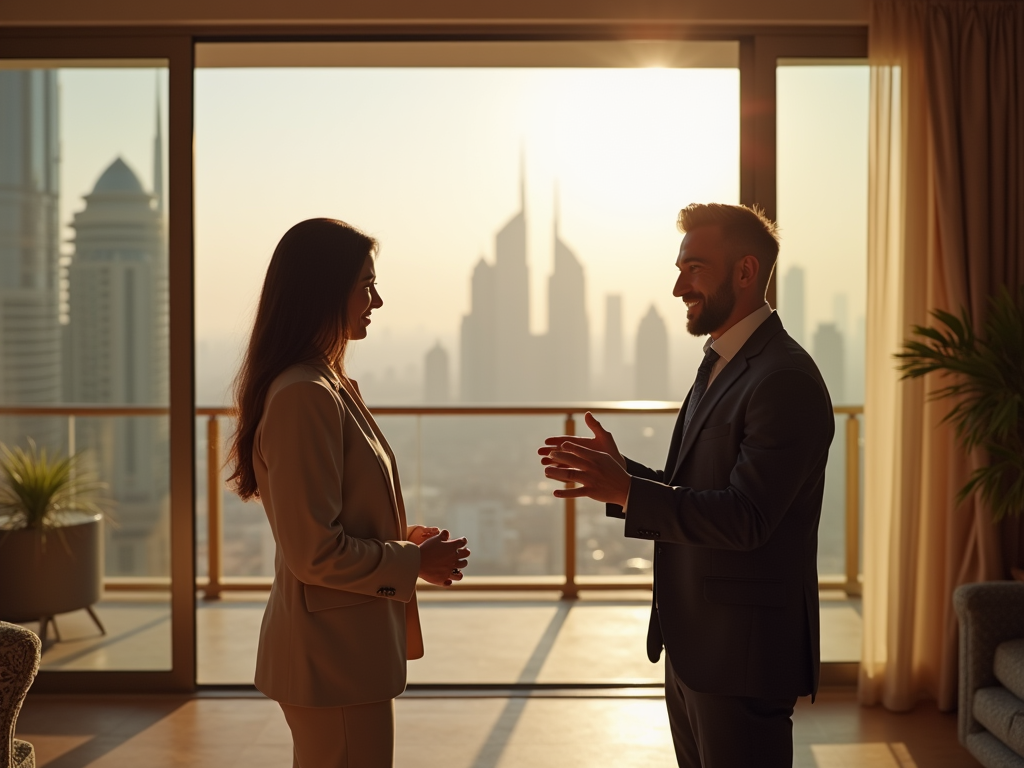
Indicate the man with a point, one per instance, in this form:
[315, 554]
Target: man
[734, 513]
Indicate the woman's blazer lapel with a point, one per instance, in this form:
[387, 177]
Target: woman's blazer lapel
[373, 435]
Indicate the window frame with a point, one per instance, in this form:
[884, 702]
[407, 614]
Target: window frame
[760, 50]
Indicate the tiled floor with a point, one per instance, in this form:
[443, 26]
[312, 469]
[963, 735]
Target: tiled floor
[453, 732]
[505, 638]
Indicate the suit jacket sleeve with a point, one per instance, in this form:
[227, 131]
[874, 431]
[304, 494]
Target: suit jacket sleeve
[302, 445]
[788, 426]
[636, 470]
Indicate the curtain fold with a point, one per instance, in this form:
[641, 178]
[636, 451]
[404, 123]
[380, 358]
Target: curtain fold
[946, 187]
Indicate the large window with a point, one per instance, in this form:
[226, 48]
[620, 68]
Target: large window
[84, 353]
[527, 224]
[822, 112]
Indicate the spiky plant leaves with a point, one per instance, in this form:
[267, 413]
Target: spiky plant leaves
[986, 383]
[39, 491]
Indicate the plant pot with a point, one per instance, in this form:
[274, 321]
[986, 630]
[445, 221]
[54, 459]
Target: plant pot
[39, 579]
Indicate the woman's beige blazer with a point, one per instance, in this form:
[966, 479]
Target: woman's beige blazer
[342, 617]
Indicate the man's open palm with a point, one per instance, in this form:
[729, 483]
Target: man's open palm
[602, 441]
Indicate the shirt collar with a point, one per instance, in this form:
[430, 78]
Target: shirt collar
[731, 342]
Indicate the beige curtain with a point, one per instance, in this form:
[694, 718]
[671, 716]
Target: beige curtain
[945, 230]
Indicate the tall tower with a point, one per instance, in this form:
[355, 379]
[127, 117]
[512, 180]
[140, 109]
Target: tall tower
[830, 356]
[158, 156]
[436, 388]
[476, 354]
[118, 353]
[615, 386]
[568, 341]
[512, 347]
[793, 307]
[30, 351]
[652, 358]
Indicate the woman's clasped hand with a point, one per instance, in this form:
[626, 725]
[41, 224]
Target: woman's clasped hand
[441, 557]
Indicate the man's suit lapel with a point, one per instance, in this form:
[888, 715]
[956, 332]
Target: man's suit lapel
[733, 370]
[729, 375]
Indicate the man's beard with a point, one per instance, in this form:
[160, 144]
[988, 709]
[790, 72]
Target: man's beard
[714, 310]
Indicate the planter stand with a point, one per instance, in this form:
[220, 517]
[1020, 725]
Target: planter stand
[46, 621]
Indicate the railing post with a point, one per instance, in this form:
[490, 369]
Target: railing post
[852, 586]
[570, 591]
[214, 508]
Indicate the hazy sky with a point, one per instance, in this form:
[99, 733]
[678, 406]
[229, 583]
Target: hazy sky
[428, 161]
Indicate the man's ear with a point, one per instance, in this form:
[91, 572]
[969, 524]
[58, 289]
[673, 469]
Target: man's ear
[748, 269]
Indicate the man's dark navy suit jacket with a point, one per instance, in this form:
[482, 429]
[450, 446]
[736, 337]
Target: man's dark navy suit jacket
[734, 520]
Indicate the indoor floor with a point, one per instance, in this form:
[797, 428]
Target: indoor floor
[550, 731]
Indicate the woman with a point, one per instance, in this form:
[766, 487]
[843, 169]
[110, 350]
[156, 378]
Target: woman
[342, 618]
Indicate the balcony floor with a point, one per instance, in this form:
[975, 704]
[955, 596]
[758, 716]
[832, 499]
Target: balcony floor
[501, 638]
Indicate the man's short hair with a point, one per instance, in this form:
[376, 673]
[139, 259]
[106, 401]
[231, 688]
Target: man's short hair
[747, 230]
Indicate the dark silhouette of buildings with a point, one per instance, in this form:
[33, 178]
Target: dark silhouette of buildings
[794, 305]
[30, 332]
[501, 361]
[652, 364]
[615, 375]
[830, 356]
[477, 340]
[567, 353]
[436, 385]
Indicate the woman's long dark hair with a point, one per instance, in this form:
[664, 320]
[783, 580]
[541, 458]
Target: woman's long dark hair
[301, 316]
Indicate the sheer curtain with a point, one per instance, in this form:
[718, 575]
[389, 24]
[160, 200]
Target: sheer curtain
[945, 230]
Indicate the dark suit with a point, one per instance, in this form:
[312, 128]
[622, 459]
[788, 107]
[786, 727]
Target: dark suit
[734, 517]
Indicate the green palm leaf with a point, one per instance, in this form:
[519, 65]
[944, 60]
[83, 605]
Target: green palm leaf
[985, 380]
[39, 491]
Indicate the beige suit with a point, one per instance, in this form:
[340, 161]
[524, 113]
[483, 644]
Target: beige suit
[342, 617]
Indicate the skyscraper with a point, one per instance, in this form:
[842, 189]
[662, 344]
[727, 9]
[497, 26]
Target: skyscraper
[614, 375]
[829, 355]
[118, 353]
[478, 372]
[567, 363]
[511, 340]
[793, 307]
[30, 349]
[651, 370]
[436, 388]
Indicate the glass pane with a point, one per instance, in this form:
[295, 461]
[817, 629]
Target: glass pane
[523, 209]
[822, 279]
[84, 323]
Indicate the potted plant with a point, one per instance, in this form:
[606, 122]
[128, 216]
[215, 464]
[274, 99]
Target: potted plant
[986, 371]
[50, 536]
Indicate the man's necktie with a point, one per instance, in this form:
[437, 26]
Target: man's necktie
[700, 384]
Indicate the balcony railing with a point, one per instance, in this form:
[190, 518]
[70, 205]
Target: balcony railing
[569, 583]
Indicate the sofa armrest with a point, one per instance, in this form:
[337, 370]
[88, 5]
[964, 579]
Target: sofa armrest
[989, 613]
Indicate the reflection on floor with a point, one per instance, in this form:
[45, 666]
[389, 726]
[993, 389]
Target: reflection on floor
[460, 732]
[503, 638]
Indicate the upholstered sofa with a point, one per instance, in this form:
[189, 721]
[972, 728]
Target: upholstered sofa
[19, 662]
[991, 705]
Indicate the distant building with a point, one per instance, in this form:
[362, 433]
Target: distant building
[118, 353]
[30, 330]
[614, 383]
[793, 307]
[497, 353]
[478, 372]
[514, 377]
[436, 386]
[830, 356]
[500, 359]
[567, 360]
[652, 362]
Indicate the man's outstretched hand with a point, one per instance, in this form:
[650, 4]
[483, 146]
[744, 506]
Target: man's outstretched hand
[593, 463]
